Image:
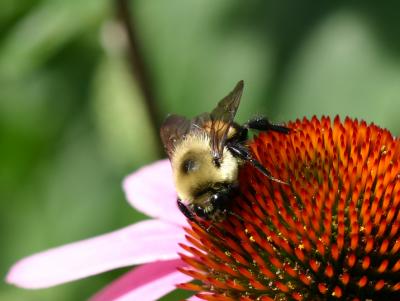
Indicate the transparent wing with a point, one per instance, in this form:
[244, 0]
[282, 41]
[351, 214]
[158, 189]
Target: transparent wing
[222, 118]
[173, 129]
[202, 122]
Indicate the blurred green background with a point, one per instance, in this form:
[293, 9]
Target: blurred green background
[74, 121]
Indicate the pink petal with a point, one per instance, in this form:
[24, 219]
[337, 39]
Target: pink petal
[143, 242]
[146, 283]
[151, 191]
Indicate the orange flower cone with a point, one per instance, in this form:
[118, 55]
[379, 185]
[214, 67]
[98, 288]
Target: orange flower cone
[332, 233]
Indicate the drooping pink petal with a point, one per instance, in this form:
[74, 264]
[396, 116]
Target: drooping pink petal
[194, 298]
[142, 242]
[145, 283]
[151, 191]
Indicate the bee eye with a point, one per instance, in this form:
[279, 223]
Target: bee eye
[190, 165]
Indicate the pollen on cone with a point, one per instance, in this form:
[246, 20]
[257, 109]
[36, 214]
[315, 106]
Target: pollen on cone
[332, 233]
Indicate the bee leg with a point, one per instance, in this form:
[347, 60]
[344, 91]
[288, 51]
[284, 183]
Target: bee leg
[200, 212]
[263, 124]
[185, 210]
[242, 152]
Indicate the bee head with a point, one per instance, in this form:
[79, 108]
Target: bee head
[195, 169]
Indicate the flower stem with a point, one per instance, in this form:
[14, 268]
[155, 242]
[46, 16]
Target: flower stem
[138, 67]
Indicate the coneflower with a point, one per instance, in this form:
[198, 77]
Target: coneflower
[332, 233]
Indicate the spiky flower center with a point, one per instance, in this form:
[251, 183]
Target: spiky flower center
[331, 234]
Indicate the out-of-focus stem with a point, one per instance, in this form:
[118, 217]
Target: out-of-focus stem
[137, 63]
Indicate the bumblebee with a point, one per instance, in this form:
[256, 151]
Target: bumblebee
[206, 153]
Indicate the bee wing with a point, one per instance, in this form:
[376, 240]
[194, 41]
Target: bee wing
[173, 129]
[222, 118]
[217, 123]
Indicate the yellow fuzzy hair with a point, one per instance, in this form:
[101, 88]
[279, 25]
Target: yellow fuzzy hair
[197, 146]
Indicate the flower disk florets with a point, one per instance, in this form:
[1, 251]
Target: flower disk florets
[332, 233]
